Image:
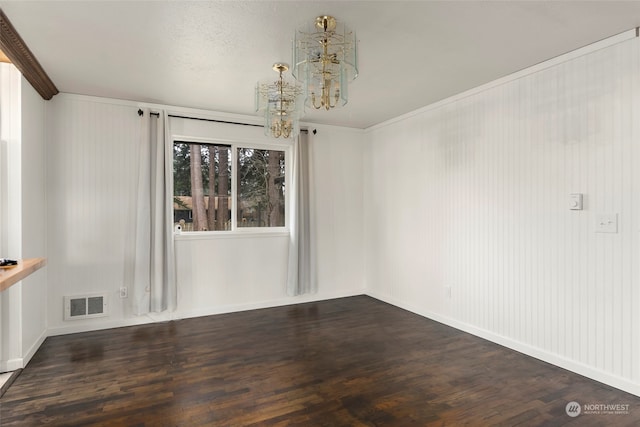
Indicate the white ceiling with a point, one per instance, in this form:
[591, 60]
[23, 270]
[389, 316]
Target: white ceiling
[209, 54]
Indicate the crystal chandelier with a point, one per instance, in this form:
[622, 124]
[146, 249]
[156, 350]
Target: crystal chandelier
[325, 61]
[281, 104]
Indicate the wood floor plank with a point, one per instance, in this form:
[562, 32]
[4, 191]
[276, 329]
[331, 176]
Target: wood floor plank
[345, 362]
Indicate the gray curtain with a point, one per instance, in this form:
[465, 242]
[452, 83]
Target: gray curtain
[154, 284]
[302, 244]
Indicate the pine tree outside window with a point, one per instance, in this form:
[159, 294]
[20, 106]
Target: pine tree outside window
[220, 187]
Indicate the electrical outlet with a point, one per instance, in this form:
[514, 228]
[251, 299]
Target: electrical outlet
[124, 292]
[447, 292]
[607, 223]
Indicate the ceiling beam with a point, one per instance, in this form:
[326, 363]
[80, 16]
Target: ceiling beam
[19, 54]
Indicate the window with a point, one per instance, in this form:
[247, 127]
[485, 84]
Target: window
[260, 188]
[221, 187]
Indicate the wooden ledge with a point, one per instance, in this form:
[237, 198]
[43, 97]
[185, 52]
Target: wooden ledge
[9, 276]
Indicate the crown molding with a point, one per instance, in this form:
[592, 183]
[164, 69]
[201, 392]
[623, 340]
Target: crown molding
[19, 54]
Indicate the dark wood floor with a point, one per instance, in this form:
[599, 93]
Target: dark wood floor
[346, 362]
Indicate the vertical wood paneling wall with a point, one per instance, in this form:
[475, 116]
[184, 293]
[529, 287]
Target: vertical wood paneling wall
[91, 163]
[10, 212]
[473, 195]
[91, 177]
[23, 216]
[34, 218]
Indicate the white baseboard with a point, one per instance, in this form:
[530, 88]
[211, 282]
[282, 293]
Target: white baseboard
[12, 365]
[562, 362]
[208, 311]
[300, 299]
[554, 359]
[98, 326]
[32, 350]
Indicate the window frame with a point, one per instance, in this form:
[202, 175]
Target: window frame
[236, 231]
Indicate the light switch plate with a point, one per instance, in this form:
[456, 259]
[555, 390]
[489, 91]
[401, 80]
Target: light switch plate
[575, 201]
[607, 223]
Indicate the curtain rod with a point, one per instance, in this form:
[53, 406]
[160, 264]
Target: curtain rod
[213, 120]
[140, 113]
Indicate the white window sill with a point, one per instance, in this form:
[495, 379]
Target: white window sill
[239, 234]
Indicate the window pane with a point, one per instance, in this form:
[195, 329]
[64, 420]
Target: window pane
[202, 186]
[261, 188]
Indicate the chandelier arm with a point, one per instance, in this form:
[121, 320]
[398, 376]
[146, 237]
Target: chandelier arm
[313, 101]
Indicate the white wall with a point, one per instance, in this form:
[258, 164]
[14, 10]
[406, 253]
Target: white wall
[34, 214]
[233, 272]
[337, 163]
[23, 214]
[473, 194]
[90, 176]
[11, 212]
